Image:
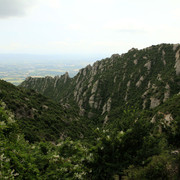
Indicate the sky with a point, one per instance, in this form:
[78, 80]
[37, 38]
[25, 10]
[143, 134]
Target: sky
[86, 27]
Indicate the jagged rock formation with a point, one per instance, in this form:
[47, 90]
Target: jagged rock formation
[49, 86]
[177, 64]
[144, 78]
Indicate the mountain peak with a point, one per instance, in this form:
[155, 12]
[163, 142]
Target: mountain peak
[145, 78]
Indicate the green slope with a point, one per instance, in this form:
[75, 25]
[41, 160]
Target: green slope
[40, 118]
[137, 152]
[129, 123]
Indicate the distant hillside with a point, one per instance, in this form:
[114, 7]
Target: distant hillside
[143, 78]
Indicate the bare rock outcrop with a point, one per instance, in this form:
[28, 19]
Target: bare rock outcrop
[91, 100]
[148, 65]
[175, 46]
[154, 102]
[135, 61]
[95, 87]
[66, 76]
[140, 81]
[167, 92]
[107, 106]
[177, 64]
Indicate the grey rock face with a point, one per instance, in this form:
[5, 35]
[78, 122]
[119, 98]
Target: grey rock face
[154, 102]
[95, 87]
[140, 81]
[177, 65]
[148, 65]
[167, 92]
[135, 61]
[107, 106]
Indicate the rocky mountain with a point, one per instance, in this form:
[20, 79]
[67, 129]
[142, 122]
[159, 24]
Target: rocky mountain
[143, 78]
[117, 119]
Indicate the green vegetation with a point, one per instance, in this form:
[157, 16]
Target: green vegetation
[137, 153]
[40, 118]
[118, 118]
[140, 78]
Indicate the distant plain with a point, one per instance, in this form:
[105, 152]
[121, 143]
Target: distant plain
[15, 68]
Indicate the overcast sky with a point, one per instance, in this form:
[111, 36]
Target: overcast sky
[86, 26]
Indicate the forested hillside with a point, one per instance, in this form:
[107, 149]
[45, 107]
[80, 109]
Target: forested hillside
[143, 78]
[39, 117]
[135, 149]
[117, 119]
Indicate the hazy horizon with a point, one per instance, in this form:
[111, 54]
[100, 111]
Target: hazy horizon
[54, 58]
[48, 37]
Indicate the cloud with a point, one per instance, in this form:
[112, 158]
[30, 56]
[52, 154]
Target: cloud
[11, 8]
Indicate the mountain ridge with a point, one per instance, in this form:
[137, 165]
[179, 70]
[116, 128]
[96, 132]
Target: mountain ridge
[145, 78]
[128, 126]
